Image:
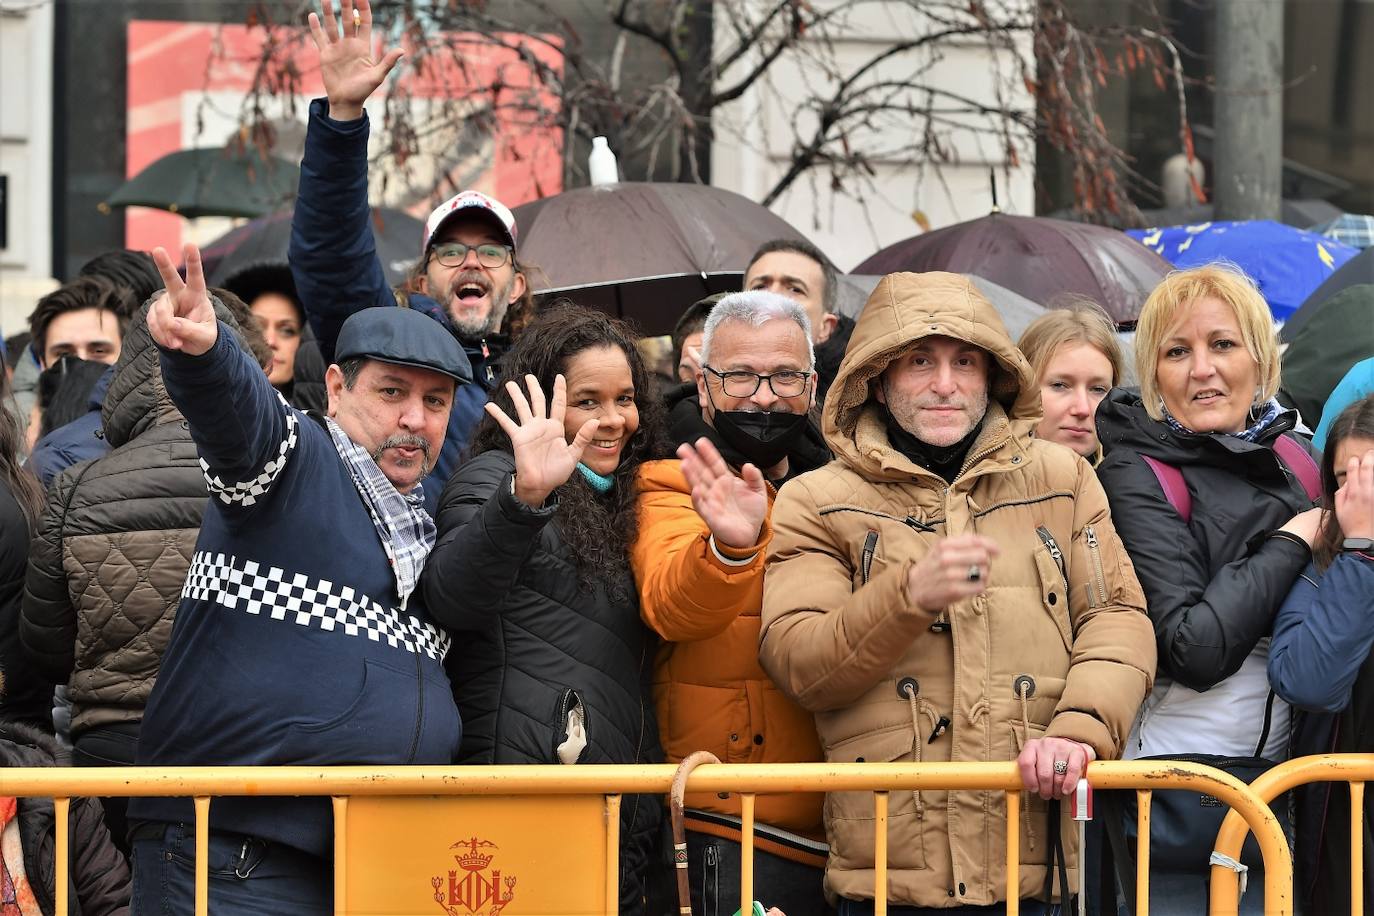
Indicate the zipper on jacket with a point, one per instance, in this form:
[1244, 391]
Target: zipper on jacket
[419, 708]
[870, 546]
[1098, 578]
[914, 522]
[1053, 546]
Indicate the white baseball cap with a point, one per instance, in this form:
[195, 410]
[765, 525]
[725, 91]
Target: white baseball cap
[464, 200]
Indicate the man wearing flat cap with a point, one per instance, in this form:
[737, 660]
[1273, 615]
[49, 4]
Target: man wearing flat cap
[301, 638]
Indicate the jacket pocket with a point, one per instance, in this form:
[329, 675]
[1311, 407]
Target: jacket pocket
[571, 728]
[850, 816]
[1054, 589]
[376, 726]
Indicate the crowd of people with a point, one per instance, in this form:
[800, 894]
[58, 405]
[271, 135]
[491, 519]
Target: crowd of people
[287, 522]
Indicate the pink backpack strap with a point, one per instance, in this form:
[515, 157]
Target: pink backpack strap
[1175, 488]
[1300, 461]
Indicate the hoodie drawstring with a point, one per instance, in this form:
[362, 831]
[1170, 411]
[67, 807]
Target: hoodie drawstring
[1025, 688]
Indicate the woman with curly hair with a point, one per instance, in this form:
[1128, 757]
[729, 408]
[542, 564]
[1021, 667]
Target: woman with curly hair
[550, 660]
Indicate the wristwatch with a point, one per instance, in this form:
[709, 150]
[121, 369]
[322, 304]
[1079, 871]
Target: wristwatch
[1359, 545]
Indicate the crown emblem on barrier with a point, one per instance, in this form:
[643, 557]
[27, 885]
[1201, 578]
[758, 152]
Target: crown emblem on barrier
[473, 889]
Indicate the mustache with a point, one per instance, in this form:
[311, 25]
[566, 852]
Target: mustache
[405, 440]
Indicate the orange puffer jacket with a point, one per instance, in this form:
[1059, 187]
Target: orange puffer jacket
[709, 690]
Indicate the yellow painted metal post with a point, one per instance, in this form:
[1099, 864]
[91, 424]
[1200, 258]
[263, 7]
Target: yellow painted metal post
[202, 806]
[340, 855]
[1357, 849]
[879, 854]
[61, 809]
[746, 852]
[1013, 853]
[1142, 852]
[612, 854]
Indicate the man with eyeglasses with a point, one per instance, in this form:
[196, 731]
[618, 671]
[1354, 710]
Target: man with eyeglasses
[467, 279]
[742, 430]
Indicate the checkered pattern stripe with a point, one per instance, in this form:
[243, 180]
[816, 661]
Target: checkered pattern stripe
[248, 492]
[246, 585]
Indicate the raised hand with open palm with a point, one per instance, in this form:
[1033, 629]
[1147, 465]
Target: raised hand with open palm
[544, 458]
[348, 67]
[733, 507]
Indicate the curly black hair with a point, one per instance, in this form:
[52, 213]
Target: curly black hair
[599, 529]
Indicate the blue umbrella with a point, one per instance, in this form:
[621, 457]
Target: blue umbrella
[1286, 263]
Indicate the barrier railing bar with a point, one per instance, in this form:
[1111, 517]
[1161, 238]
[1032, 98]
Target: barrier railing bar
[613, 854]
[1143, 800]
[202, 807]
[1013, 853]
[1357, 849]
[746, 849]
[340, 803]
[1269, 785]
[879, 854]
[61, 809]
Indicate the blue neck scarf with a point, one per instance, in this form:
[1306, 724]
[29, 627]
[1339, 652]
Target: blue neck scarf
[599, 482]
[1261, 416]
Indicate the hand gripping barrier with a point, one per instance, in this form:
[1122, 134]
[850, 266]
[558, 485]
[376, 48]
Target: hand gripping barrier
[419, 789]
[1354, 769]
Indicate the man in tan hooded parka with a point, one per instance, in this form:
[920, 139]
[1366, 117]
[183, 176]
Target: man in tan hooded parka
[950, 588]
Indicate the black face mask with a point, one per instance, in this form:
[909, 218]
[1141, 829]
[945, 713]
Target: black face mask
[763, 437]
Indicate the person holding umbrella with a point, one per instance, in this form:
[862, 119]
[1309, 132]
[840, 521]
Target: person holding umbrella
[468, 278]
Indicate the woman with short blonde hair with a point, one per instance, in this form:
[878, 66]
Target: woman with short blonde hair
[1213, 496]
[1076, 359]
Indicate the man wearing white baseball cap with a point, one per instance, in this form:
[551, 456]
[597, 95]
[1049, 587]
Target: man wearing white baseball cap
[467, 278]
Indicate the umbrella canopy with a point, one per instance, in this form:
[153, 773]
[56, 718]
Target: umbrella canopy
[1359, 269]
[263, 242]
[211, 182]
[1353, 229]
[1037, 257]
[1338, 336]
[643, 251]
[1286, 263]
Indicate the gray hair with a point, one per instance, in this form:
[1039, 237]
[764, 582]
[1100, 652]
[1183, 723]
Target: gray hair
[754, 307]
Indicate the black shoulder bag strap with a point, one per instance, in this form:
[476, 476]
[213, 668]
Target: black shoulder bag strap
[1058, 863]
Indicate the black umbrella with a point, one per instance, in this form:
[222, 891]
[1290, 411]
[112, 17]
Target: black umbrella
[263, 243]
[211, 182]
[642, 250]
[1359, 269]
[1334, 338]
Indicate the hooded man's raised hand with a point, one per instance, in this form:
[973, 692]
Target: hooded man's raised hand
[182, 318]
[348, 66]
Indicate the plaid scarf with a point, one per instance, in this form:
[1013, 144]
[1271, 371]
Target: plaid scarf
[404, 527]
[1267, 413]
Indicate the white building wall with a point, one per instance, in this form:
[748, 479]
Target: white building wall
[26, 64]
[753, 137]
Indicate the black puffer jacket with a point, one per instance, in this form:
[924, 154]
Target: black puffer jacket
[112, 549]
[1213, 586]
[99, 876]
[528, 645]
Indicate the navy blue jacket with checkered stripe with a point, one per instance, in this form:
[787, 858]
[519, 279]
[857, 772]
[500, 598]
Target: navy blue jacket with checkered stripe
[289, 645]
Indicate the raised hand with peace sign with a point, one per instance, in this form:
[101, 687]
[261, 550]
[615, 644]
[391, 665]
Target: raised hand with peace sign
[544, 458]
[182, 318]
[348, 67]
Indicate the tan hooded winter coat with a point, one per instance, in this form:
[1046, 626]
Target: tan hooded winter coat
[1063, 614]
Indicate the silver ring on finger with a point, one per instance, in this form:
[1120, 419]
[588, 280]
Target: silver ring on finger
[1061, 767]
[975, 573]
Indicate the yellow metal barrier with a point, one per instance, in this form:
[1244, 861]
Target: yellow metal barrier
[363, 845]
[1355, 769]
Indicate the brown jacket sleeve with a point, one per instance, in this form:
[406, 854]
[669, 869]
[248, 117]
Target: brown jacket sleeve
[686, 591]
[1113, 663]
[823, 642]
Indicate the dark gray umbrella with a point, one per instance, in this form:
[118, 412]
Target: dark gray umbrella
[1358, 270]
[263, 243]
[211, 182]
[1337, 336]
[643, 251]
[1037, 257]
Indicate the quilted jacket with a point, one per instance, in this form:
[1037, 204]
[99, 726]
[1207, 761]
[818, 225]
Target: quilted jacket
[112, 549]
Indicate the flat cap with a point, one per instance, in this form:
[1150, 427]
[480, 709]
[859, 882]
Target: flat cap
[404, 337]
